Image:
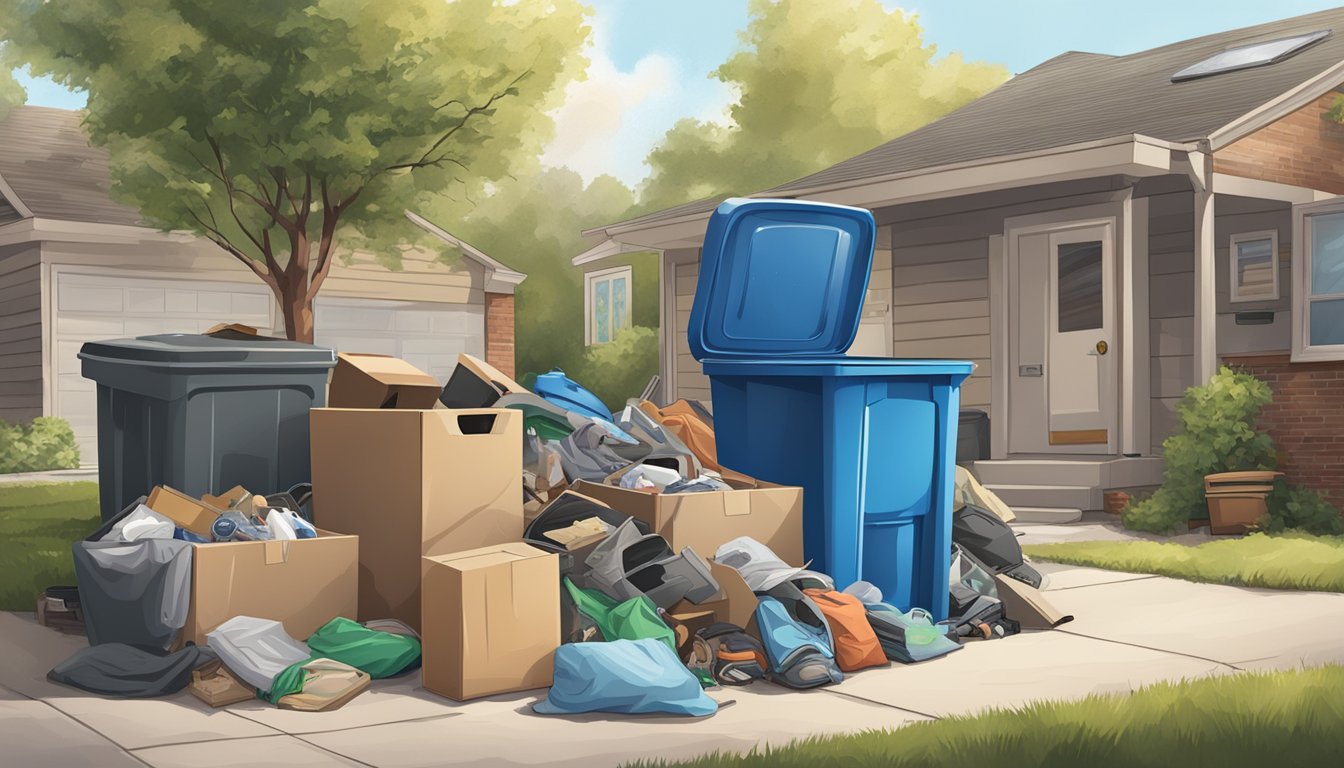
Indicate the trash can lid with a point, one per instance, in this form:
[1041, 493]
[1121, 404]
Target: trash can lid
[781, 278]
[191, 348]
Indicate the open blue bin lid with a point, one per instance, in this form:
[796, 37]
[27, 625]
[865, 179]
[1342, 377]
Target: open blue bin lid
[781, 278]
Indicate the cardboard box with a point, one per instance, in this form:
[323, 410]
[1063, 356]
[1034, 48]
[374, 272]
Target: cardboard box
[379, 381]
[735, 603]
[492, 620]
[302, 584]
[412, 483]
[771, 514]
[475, 383]
[191, 514]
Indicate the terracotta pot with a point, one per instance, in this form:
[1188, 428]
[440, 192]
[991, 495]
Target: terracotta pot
[1114, 501]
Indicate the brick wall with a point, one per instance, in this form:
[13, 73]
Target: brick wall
[1305, 149]
[1306, 419]
[499, 331]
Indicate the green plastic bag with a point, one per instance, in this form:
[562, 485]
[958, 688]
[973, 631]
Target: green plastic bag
[634, 619]
[380, 654]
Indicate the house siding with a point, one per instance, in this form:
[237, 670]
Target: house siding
[20, 333]
[1304, 149]
[692, 383]
[1306, 419]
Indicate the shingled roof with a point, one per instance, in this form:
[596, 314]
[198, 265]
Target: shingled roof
[47, 160]
[1080, 97]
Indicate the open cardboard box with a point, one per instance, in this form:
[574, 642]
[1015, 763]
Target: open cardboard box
[379, 381]
[411, 480]
[771, 514]
[302, 584]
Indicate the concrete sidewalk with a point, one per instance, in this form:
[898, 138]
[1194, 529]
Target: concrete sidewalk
[1130, 631]
[81, 475]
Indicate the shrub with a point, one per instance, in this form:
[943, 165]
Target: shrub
[1217, 434]
[620, 369]
[1301, 509]
[45, 443]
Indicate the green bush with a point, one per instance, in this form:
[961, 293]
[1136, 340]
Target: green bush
[1301, 509]
[45, 443]
[1217, 434]
[620, 369]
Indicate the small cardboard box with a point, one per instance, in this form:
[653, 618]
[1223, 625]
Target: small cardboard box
[491, 620]
[302, 584]
[412, 483]
[771, 514]
[379, 381]
[191, 514]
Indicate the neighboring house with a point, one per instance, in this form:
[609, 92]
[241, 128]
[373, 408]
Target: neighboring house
[1097, 234]
[76, 266]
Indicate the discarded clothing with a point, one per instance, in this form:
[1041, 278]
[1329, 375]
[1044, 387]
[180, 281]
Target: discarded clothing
[800, 655]
[120, 670]
[256, 650]
[135, 593]
[381, 654]
[909, 637]
[700, 484]
[392, 626]
[968, 580]
[762, 569]
[633, 619]
[565, 510]
[215, 685]
[586, 455]
[657, 445]
[325, 685]
[624, 676]
[723, 654]
[589, 530]
[141, 523]
[856, 645]
[629, 564]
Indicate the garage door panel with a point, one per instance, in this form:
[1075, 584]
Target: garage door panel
[458, 323]
[146, 300]
[412, 321]
[255, 305]
[74, 382]
[212, 303]
[84, 297]
[179, 302]
[92, 327]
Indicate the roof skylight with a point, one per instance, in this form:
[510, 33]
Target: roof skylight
[1247, 56]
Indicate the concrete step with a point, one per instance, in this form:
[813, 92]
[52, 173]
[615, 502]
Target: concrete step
[1048, 496]
[1046, 515]
[1102, 472]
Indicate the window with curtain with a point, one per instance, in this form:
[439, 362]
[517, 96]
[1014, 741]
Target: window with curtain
[607, 303]
[1254, 266]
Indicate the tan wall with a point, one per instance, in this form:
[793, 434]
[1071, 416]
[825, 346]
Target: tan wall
[1305, 149]
[20, 333]
[692, 383]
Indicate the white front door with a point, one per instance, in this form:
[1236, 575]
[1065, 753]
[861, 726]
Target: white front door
[1063, 362]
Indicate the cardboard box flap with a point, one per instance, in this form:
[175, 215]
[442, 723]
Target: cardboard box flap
[188, 513]
[379, 381]
[486, 557]
[276, 552]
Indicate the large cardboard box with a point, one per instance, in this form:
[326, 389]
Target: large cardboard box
[491, 620]
[302, 584]
[412, 483]
[771, 514]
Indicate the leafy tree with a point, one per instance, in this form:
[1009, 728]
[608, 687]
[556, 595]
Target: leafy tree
[817, 83]
[276, 128]
[11, 93]
[533, 223]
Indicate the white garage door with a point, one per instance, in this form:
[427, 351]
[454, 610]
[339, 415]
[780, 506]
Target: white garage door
[428, 336]
[93, 307]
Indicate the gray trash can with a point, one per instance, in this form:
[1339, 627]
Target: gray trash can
[972, 436]
[202, 414]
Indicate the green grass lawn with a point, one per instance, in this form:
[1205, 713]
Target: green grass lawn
[1273, 719]
[1282, 561]
[37, 525]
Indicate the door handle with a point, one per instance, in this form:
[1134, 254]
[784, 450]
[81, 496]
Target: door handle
[1100, 349]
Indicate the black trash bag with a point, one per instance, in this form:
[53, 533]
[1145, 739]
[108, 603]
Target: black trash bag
[990, 540]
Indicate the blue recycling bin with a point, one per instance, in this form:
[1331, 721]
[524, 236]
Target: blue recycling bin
[872, 441]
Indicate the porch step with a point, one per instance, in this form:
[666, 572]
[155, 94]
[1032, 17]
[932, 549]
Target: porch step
[1100, 472]
[1047, 515]
[1081, 497]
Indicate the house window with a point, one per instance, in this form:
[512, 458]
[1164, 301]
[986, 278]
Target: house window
[1318, 273]
[607, 303]
[1254, 266]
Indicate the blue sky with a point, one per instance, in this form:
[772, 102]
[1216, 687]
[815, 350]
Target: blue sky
[651, 58]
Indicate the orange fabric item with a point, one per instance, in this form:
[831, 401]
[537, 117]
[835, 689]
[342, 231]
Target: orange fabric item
[683, 422]
[856, 644]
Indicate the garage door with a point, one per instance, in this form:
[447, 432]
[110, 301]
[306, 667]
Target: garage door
[93, 307]
[428, 336]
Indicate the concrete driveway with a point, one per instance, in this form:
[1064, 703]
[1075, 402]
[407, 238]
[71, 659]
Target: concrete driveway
[1130, 631]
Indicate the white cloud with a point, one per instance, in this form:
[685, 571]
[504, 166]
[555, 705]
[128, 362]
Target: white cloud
[610, 121]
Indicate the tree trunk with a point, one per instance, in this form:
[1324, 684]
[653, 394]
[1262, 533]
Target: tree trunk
[297, 309]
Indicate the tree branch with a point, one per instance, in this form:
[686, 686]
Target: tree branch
[331, 213]
[220, 239]
[424, 160]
